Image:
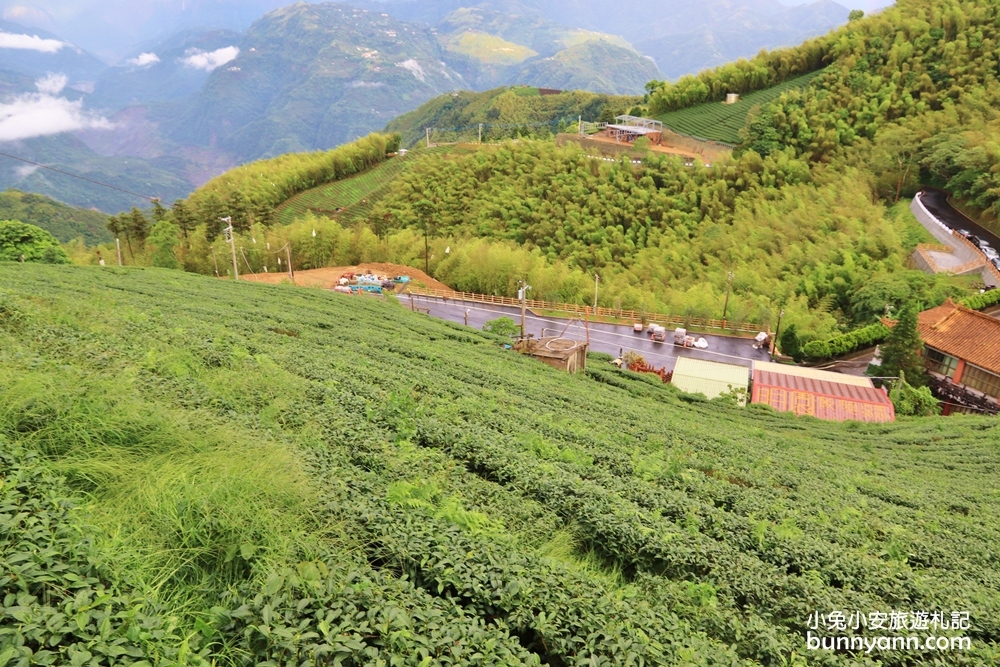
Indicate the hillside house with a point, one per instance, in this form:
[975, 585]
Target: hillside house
[821, 394]
[962, 357]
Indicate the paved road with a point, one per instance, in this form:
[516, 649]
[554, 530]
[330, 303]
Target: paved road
[936, 202]
[607, 338]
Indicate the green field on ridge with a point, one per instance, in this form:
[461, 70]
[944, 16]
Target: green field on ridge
[267, 474]
[354, 196]
[722, 122]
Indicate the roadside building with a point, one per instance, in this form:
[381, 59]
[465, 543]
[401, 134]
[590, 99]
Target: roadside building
[962, 357]
[710, 378]
[564, 354]
[822, 394]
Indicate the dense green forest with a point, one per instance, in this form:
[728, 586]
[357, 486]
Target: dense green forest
[64, 222]
[238, 474]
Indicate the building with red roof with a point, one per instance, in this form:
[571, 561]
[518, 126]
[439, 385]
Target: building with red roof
[822, 394]
[962, 357]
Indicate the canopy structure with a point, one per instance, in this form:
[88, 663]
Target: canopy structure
[629, 128]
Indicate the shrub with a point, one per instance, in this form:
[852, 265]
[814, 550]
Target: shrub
[844, 343]
[980, 301]
[20, 241]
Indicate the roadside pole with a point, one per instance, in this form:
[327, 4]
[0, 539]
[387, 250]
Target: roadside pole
[118, 247]
[288, 256]
[232, 243]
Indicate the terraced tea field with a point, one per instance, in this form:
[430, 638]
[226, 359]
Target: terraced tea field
[723, 122]
[352, 198]
[268, 475]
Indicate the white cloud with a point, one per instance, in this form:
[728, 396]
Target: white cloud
[414, 68]
[52, 84]
[144, 60]
[38, 114]
[10, 40]
[25, 170]
[209, 60]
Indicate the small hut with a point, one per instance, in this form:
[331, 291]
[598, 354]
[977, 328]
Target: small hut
[564, 354]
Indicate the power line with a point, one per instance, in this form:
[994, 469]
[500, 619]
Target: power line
[82, 178]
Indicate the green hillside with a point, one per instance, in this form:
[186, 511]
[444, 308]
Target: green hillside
[64, 222]
[353, 198]
[723, 122]
[273, 475]
[505, 113]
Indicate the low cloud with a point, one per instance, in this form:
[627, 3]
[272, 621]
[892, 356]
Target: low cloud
[52, 84]
[10, 40]
[209, 60]
[414, 68]
[25, 170]
[40, 114]
[144, 60]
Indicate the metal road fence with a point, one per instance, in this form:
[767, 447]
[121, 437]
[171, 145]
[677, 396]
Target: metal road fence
[588, 311]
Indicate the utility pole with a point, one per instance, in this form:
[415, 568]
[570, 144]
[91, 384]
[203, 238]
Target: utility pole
[288, 256]
[729, 286]
[480, 133]
[597, 279]
[579, 124]
[231, 237]
[523, 295]
[118, 247]
[774, 342]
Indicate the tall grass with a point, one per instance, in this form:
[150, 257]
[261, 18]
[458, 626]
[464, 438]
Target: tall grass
[187, 508]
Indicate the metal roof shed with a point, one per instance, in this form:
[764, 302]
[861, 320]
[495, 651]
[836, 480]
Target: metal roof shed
[710, 378]
[822, 394]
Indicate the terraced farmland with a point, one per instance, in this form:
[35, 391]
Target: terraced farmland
[722, 122]
[352, 198]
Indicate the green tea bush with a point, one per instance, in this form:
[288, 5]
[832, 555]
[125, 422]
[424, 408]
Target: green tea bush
[844, 343]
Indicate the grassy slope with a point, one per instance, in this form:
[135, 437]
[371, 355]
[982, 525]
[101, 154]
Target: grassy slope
[722, 122]
[355, 195]
[217, 432]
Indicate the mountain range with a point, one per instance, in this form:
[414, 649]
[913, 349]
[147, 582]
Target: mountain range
[176, 110]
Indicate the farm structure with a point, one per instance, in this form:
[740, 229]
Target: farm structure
[629, 128]
[821, 394]
[563, 354]
[710, 378]
[962, 356]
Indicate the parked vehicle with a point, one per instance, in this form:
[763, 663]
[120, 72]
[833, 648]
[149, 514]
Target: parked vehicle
[983, 244]
[637, 327]
[990, 253]
[963, 232]
[973, 239]
[659, 334]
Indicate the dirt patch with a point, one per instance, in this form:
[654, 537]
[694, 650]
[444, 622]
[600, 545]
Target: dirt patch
[327, 277]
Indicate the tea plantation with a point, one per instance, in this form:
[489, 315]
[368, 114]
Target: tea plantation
[353, 198]
[196, 472]
[723, 122]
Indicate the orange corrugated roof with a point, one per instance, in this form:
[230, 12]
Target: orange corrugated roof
[834, 401]
[962, 333]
